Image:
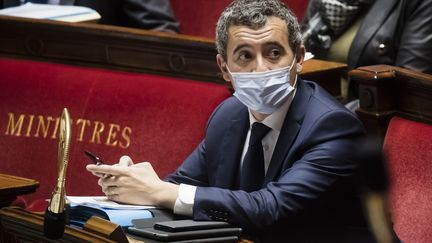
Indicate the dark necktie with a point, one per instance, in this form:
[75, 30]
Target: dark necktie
[252, 170]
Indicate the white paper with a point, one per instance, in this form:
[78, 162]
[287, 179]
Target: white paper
[308, 56]
[103, 202]
[67, 13]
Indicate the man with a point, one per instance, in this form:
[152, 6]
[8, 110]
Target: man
[303, 189]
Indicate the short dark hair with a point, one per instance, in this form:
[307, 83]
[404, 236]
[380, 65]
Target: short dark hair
[254, 13]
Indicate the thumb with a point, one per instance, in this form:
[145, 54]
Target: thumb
[125, 161]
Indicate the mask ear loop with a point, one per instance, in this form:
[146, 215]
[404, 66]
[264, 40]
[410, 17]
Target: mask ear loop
[296, 75]
[226, 66]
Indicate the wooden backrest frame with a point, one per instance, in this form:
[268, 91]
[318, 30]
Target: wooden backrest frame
[386, 91]
[110, 47]
[129, 49]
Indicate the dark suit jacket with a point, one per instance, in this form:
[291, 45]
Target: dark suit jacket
[309, 191]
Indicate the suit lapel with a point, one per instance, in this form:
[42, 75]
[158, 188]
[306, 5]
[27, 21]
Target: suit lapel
[377, 14]
[231, 149]
[289, 131]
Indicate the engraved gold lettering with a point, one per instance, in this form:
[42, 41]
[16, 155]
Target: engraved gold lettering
[127, 131]
[43, 126]
[14, 128]
[48, 127]
[30, 125]
[54, 134]
[112, 135]
[82, 128]
[98, 129]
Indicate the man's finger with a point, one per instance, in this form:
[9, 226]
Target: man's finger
[109, 181]
[111, 190]
[107, 169]
[98, 174]
[125, 161]
[114, 197]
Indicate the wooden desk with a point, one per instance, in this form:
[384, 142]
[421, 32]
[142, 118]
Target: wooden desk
[18, 225]
[13, 186]
[129, 49]
[325, 73]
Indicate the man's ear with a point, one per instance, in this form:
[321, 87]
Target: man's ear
[223, 67]
[301, 51]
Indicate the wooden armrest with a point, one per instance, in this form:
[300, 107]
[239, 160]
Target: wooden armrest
[386, 91]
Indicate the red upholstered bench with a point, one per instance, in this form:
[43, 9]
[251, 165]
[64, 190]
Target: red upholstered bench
[395, 106]
[408, 147]
[149, 117]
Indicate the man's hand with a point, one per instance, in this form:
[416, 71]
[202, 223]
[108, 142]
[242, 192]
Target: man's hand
[131, 183]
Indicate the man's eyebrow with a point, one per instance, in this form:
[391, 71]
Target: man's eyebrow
[240, 47]
[270, 43]
[274, 43]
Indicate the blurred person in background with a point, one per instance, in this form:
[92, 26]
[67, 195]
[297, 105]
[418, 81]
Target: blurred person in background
[370, 32]
[145, 14]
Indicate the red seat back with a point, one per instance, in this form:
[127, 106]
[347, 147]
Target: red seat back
[149, 117]
[408, 146]
[199, 17]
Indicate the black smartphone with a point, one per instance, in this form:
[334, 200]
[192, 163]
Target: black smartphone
[95, 159]
[188, 224]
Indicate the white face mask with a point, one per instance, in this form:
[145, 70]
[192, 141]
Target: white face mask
[263, 92]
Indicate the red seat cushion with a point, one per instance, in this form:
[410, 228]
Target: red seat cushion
[408, 146]
[151, 118]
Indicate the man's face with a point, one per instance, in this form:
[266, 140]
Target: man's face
[258, 50]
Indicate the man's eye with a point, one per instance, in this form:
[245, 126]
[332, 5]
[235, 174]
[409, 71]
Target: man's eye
[275, 53]
[244, 56]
